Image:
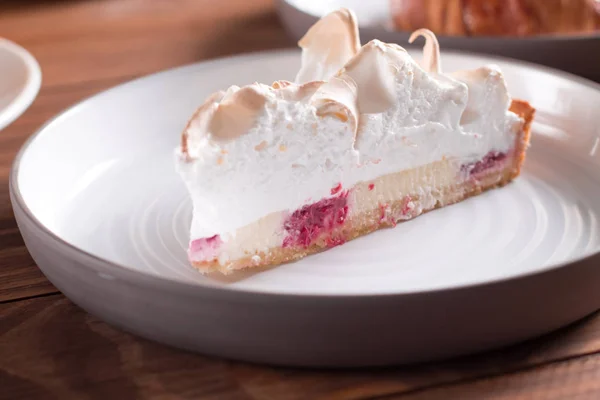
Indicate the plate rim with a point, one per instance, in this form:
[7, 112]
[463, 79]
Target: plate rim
[136, 277]
[481, 38]
[19, 104]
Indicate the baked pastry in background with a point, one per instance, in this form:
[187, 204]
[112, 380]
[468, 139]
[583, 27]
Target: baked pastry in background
[497, 17]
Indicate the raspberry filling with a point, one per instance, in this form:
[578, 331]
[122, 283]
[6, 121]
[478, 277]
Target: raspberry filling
[309, 223]
[205, 248]
[336, 189]
[493, 159]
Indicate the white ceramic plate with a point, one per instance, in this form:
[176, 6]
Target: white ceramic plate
[20, 79]
[579, 54]
[106, 218]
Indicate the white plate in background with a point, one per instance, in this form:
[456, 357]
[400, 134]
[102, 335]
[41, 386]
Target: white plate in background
[20, 80]
[106, 218]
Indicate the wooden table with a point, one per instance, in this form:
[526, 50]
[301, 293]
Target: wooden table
[49, 348]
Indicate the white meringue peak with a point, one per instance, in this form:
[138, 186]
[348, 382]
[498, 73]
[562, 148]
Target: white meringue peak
[431, 51]
[373, 69]
[328, 45]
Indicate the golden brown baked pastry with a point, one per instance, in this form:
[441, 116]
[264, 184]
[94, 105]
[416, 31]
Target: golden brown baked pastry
[497, 17]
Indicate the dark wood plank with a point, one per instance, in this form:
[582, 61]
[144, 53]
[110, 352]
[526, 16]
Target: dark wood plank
[81, 41]
[50, 347]
[577, 378]
[578, 340]
[19, 276]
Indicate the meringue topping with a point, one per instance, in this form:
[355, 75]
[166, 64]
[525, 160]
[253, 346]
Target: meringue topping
[293, 92]
[236, 113]
[354, 114]
[431, 50]
[337, 98]
[328, 45]
[374, 74]
[198, 124]
[364, 81]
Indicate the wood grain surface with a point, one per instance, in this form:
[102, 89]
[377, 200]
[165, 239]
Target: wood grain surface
[51, 349]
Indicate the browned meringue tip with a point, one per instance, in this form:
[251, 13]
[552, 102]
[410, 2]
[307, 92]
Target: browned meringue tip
[431, 50]
[236, 114]
[280, 84]
[370, 70]
[337, 98]
[342, 15]
[201, 117]
[328, 45]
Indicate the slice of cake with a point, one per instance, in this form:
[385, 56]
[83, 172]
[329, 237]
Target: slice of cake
[365, 138]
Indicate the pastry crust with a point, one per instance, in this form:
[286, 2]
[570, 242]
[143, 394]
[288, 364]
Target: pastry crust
[497, 17]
